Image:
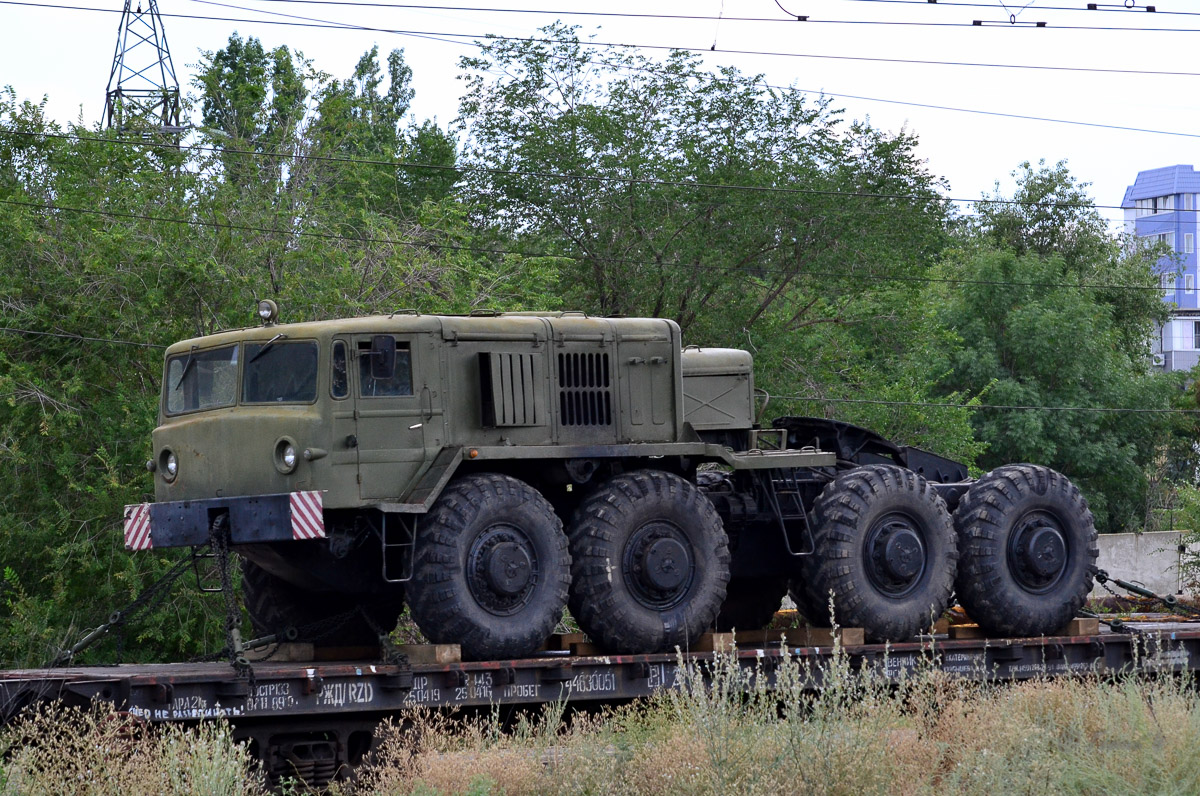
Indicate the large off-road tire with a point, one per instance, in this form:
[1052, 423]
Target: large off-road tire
[276, 606]
[750, 603]
[886, 549]
[649, 563]
[491, 568]
[1027, 550]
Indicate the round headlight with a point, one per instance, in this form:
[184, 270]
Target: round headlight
[268, 311]
[285, 456]
[170, 465]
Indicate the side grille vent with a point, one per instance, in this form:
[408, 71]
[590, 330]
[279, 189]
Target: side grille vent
[510, 390]
[585, 394]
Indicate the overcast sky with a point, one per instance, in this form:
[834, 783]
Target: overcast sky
[67, 54]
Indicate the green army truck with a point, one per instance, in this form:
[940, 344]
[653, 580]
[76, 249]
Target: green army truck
[490, 470]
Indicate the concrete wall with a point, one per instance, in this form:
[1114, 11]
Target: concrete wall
[1150, 559]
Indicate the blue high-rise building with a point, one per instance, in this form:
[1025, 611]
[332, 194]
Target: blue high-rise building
[1161, 204]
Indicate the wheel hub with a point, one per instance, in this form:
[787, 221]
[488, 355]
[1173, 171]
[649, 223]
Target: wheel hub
[666, 560]
[895, 555]
[658, 565]
[502, 569]
[903, 555]
[1037, 552]
[507, 568]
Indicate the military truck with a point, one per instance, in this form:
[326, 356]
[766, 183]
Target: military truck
[491, 470]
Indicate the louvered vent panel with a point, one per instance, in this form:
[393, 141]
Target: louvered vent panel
[585, 394]
[509, 390]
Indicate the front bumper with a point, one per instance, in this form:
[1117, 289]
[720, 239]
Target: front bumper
[261, 518]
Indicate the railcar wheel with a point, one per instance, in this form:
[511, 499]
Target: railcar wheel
[886, 549]
[649, 563]
[1028, 550]
[274, 605]
[750, 603]
[491, 568]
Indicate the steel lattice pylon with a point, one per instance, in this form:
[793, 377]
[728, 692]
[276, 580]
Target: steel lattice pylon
[142, 83]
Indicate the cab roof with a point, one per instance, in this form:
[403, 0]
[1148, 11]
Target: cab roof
[538, 325]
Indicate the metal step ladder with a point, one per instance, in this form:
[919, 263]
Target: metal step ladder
[784, 495]
[399, 538]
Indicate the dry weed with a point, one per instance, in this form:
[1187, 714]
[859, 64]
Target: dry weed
[56, 750]
[721, 731]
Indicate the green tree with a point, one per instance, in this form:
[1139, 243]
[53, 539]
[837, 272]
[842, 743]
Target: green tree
[1052, 311]
[252, 99]
[615, 162]
[110, 249]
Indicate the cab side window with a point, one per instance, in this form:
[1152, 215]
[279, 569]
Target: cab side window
[401, 382]
[340, 385]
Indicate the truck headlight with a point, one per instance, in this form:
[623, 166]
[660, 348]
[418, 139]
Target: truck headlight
[285, 456]
[169, 465]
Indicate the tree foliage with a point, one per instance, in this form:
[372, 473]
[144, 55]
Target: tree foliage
[617, 162]
[111, 249]
[572, 179]
[1053, 313]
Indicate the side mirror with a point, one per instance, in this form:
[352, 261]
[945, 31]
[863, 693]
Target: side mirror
[383, 357]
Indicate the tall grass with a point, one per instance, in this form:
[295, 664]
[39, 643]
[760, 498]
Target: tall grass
[721, 730]
[54, 751]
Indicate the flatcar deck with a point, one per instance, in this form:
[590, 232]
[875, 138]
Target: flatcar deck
[193, 691]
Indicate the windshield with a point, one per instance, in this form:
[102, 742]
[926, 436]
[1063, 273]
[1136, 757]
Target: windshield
[202, 380]
[280, 372]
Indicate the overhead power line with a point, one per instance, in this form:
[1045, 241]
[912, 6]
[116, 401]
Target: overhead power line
[722, 50]
[790, 19]
[78, 337]
[700, 17]
[1111, 9]
[856, 274]
[460, 40]
[695, 17]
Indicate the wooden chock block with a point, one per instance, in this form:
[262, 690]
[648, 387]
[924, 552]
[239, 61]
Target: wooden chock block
[824, 636]
[750, 638]
[585, 649]
[941, 627]
[345, 653]
[431, 653]
[283, 653]
[1080, 626]
[563, 641]
[713, 642]
[965, 631]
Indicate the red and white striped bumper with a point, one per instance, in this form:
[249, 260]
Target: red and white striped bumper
[263, 518]
[307, 520]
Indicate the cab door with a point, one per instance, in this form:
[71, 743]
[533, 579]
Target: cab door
[343, 452]
[398, 433]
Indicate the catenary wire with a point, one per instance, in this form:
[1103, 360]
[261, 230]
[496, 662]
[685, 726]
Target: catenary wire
[990, 6]
[818, 56]
[857, 22]
[79, 337]
[441, 38]
[698, 17]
